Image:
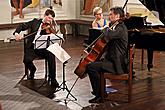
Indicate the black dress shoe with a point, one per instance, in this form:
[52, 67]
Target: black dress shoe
[54, 83]
[149, 66]
[95, 100]
[31, 78]
[93, 93]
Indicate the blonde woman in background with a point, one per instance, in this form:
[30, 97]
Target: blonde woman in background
[99, 22]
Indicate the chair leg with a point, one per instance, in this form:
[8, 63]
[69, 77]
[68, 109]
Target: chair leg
[46, 75]
[129, 90]
[102, 86]
[26, 74]
[46, 70]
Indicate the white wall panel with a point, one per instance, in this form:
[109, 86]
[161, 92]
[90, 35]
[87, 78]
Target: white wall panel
[5, 12]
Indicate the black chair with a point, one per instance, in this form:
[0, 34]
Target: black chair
[26, 74]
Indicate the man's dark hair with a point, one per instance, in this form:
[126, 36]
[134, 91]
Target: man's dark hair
[118, 10]
[50, 12]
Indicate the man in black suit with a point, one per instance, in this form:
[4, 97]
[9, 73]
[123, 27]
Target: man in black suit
[37, 27]
[115, 55]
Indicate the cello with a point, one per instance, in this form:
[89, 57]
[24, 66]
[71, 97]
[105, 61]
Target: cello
[97, 49]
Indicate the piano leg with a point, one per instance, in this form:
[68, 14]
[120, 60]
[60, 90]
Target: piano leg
[150, 58]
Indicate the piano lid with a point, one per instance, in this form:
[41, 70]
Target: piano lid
[157, 6]
[136, 8]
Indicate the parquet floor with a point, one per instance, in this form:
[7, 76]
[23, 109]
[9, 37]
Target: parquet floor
[148, 87]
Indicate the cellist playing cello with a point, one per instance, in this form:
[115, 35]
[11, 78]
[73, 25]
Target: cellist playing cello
[114, 59]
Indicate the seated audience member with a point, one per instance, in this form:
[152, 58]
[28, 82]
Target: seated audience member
[99, 21]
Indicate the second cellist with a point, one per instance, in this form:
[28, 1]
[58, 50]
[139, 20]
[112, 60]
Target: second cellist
[115, 52]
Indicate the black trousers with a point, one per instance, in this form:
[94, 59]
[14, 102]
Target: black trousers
[94, 70]
[30, 55]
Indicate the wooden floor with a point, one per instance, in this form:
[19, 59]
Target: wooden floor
[148, 87]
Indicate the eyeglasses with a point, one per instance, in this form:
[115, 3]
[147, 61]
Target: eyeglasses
[98, 14]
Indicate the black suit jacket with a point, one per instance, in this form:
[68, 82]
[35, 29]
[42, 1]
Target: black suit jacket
[32, 28]
[116, 50]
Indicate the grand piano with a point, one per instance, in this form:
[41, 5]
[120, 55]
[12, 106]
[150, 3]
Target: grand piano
[148, 35]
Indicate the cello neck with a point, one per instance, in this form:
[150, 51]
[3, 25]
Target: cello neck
[114, 24]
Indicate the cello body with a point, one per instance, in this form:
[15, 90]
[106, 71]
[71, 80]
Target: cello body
[94, 54]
